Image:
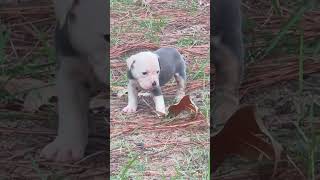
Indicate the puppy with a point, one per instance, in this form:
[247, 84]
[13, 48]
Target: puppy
[81, 50]
[151, 70]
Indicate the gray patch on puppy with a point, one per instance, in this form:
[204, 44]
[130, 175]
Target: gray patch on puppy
[171, 62]
[129, 74]
[156, 91]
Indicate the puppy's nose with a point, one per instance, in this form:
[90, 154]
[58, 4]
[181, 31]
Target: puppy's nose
[154, 83]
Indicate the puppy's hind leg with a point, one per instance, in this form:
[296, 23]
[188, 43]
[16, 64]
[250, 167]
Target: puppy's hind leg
[180, 78]
[181, 82]
[73, 102]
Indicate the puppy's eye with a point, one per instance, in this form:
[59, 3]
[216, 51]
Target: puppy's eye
[144, 73]
[157, 72]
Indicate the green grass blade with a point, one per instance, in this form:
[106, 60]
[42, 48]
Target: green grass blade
[127, 167]
[38, 171]
[292, 21]
[301, 61]
[4, 38]
[275, 6]
[312, 147]
[316, 50]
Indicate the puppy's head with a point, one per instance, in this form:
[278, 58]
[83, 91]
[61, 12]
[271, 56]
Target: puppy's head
[144, 67]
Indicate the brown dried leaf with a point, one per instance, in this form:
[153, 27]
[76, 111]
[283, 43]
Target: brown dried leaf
[119, 91]
[35, 93]
[185, 104]
[38, 97]
[98, 102]
[19, 86]
[242, 135]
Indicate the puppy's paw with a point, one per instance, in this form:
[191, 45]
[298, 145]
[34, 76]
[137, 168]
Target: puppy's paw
[129, 109]
[63, 150]
[161, 111]
[179, 95]
[159, 102]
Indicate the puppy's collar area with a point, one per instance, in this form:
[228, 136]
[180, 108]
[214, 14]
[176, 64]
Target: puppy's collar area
[156, 91]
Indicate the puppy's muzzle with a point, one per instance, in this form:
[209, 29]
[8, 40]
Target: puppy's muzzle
[154, 84]
[147, 84]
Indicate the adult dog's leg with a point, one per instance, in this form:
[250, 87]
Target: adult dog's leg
[227, 58]
[81, 48]
[227, 26]
[73, 101]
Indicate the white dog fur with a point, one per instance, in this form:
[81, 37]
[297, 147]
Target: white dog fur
[150, 70]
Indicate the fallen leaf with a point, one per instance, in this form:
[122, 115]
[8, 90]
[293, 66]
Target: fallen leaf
[117, 88]
[36, 98]
[185, 104]
[33, 92]
[19, 86]
[98, 102]
[119, 91]
[242, 135]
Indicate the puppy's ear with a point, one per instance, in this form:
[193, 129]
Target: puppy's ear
[158, 60]
[130, 61]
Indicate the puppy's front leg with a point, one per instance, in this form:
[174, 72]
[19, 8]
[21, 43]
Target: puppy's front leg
[132, 97]
[73, 102]
[159, 100]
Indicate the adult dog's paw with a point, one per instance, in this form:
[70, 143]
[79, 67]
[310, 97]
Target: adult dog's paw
[63, 150]
[129, 109]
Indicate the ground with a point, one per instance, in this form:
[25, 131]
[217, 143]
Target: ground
[27, 58]
[144, 146]
[282, 80]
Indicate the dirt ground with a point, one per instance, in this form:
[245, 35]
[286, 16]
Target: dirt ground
[179, 147]
[288, 106]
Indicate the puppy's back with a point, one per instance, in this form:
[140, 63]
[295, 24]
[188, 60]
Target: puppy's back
[171, 62]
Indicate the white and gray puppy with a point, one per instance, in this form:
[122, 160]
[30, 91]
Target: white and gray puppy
[151, 70]
[81, 47]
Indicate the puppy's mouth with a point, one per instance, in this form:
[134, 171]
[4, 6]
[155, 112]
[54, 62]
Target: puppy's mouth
[148, 88]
